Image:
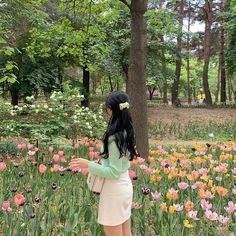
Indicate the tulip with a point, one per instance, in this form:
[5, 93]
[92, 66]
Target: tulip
[19, 200]
[60, 153]
[183, 185]
[6, 206]
[42, 168]
[50, 149]
[3, 166]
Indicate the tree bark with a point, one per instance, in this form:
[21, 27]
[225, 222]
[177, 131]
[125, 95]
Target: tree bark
[222, 61]
[110, 82]
[207, 45]
[163, 63]
[229, 87]
[86, 78]
[188, 55]
[14, 96]
[136, 86]
[175, 87]
[218, 84]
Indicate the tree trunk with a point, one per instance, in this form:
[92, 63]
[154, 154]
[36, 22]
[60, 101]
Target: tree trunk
[60, 77]
[222, 61]
[188, 55]
[86, 77]
[207, 44]
[14, 96]
[229, 87]
[175, 87]
[163, 63]
[218, 84]
[136, 86]
[110, 82]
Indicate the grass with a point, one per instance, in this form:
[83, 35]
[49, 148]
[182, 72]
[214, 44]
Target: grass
[193, 130]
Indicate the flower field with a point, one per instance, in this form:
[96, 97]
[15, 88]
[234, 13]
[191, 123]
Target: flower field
[179, 191]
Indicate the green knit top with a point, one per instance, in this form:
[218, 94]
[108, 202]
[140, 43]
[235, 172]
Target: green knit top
[114, 165]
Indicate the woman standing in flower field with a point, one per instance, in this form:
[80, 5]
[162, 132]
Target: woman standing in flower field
[119, 149]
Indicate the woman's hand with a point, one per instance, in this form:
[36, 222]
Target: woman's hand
[78, 163]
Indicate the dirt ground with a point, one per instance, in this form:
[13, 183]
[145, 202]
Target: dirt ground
[184, 116]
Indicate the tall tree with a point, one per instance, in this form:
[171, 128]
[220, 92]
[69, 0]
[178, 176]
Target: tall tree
[136, 84]
[222, 58]
[207, 49]
[188, 53]
[175, 86]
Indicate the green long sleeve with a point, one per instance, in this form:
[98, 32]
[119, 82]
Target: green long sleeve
[112, 167]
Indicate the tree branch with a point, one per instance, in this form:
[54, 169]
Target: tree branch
[126, 3]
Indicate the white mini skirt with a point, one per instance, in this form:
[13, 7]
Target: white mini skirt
[115, 201]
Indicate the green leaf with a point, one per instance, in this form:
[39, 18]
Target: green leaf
[9, 51]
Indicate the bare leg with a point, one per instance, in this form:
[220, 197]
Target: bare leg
[113, 230]
[126, 228]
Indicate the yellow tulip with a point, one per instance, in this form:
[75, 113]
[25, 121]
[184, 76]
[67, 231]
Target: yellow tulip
[171, 210]
[187, 224]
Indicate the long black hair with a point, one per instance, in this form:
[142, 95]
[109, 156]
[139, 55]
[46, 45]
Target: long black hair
[120, 122]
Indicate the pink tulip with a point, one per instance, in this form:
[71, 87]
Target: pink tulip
[6, 206]
[3, 166]
[86, 144]
[30, 146]
[50, 149]
[56, 157]
[193, 215]
[203, 171]
[19, 146]
[91, 149]
[31, 153]
[209, 195]
[98, 146]
[23, 146]
[91, 154]
[212, 216]
[143, 167]
[62, 159]
[219, 178]
[84, 171]
[156, 195]
[42, 168]
[148, 171]
[205, 205]
[178, 207]
[183, 185]
[76, 146]
[56, 168]
[231, 207]
[60, 153]
[234, 190]
[132, 174]
[19, 200]
[222, 219]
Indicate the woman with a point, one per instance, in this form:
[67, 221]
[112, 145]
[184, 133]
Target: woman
[118, 150]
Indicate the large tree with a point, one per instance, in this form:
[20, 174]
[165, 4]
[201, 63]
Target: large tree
[136, 84]
[208, 10]
[175, 86]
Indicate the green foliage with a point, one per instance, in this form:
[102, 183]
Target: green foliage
[194, 130]
[62, 115]
[231, 28]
